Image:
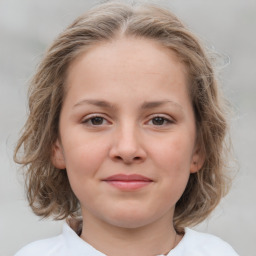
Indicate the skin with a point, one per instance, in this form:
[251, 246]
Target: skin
[109, 125]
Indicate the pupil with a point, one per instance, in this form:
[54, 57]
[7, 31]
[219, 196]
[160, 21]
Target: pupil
[97, 120]
[158, 120]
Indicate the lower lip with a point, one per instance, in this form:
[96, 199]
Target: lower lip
[128, 185]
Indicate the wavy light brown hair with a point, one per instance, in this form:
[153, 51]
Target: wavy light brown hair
[48, 189]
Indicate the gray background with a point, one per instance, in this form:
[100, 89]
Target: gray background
[28, 27]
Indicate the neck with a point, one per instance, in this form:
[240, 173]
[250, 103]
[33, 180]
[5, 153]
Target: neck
[156, 238]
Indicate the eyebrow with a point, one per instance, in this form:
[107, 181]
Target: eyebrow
[145, 105]
[155, 104]
[98, 103]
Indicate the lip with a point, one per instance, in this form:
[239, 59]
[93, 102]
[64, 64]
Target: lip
[128, 182]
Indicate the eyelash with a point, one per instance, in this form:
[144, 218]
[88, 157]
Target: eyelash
[90, 118]
[88, 121]
[167, 121]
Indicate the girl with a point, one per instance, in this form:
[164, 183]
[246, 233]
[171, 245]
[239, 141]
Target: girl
[125, 137]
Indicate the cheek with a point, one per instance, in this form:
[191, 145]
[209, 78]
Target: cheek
[172, 159]
[174, 154]
[83, 163]
[84, 158]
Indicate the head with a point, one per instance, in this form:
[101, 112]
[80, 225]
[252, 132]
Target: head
[48, 187]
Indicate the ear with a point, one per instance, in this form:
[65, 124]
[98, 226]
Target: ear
[197, 160]
[57, 158]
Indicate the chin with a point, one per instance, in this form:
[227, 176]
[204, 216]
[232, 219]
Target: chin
[129, 224]
[131, 219]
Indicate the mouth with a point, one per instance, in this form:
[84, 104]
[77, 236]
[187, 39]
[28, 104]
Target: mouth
[128, 182]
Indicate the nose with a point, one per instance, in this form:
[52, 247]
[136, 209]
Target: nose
[127, 146]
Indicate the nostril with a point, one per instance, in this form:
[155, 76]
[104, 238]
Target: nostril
[136, 159]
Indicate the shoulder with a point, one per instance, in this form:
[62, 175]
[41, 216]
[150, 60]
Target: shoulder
[46, 247]
[201, 244]
[66, 244]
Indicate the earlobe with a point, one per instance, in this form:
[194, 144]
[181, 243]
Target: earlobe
[197, 161]
[57, 158]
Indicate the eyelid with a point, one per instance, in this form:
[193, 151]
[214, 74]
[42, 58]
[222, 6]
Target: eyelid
[87, 118]
[168, 118]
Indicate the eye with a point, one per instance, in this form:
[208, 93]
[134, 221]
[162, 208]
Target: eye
[95, 121]
[160, 121]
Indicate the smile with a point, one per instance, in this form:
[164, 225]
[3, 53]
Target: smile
[128, 182]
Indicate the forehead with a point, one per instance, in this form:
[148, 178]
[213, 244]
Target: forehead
[128, 54]
[143, 66]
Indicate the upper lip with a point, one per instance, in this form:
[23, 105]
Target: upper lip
[127, 177]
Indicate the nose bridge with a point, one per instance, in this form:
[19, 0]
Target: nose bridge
[127, 138]
[127, 144]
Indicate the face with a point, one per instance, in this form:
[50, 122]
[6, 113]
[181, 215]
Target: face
[127, 132]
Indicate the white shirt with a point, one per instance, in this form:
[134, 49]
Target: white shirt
[69, 243]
